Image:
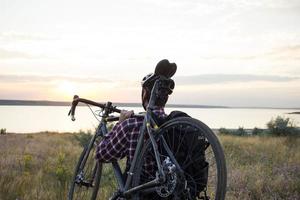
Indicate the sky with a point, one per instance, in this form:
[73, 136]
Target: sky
[228, 53]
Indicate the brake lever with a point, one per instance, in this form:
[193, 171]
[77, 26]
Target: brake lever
[69, 113]
[72, 110]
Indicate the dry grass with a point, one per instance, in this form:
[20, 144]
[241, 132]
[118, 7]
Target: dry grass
[40, 166]
[36, 166]
[262, 167]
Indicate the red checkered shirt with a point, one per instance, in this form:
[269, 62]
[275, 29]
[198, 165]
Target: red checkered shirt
[122, 140]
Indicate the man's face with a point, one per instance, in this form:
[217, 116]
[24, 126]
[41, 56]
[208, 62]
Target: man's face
[145, 99]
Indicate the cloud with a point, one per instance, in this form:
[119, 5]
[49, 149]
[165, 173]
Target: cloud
[290, 49]
[280, 53]
[261, 3]
[6, 54]
[229, 78]
[15, 36]
[287, 52]
[44, 79]
[15, 54]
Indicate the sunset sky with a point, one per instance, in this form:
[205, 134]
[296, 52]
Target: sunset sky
[228, 52]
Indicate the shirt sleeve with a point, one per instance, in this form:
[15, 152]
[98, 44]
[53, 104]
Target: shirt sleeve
[115, 144]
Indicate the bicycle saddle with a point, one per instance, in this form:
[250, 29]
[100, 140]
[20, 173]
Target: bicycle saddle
[165, 68]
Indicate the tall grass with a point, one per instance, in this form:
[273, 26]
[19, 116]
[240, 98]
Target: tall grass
[40, 166]
[262, 167]
[36, 166]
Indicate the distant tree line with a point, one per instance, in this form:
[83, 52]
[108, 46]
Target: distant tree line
[280, 126]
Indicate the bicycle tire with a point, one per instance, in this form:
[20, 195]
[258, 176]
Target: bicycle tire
[218, 190]
[78, 191]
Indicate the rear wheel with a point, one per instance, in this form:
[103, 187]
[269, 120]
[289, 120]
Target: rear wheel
[198, 153]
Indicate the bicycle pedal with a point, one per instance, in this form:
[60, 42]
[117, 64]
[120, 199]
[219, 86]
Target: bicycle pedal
[86, 184]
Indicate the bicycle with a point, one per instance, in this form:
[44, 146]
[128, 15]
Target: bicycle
[173, 148]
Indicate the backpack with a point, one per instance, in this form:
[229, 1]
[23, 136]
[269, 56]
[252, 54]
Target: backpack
[198, 167]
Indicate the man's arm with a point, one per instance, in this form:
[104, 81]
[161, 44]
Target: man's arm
[116, 143]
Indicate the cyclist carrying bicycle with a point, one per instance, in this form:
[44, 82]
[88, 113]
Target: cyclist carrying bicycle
[122, 140]
[168, 156]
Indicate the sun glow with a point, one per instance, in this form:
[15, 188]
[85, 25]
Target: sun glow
[67, 88]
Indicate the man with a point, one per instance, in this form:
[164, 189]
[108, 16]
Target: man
[122, 140]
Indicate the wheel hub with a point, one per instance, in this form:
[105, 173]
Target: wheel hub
[169, 186]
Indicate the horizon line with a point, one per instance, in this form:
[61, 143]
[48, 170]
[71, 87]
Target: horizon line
[19, 102]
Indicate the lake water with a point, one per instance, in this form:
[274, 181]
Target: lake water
[27, 119]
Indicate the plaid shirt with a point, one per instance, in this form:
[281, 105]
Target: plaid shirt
[122, 140]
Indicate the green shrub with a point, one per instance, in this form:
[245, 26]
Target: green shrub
[240, 132]
[110, 126]
[257, 131]
[224, 131]
[61, 170]
[83, 137]
[2, 131]
[281, 127]
[27, 159]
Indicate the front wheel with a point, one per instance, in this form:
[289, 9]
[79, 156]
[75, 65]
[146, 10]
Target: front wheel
[92, 180]
[198, 153]
[86, 180]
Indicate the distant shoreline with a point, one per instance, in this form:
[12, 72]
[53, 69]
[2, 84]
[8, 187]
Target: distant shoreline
[64, 103]
[4, 102]
[294, 113]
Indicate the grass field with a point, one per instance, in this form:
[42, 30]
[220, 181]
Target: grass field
[39, 166]
[262, 167]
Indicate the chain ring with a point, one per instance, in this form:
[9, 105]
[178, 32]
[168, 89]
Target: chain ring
[169, 187]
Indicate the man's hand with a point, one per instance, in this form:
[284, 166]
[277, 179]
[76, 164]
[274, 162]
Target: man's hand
[125, 115]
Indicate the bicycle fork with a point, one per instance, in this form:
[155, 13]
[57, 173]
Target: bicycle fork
[80, 179]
